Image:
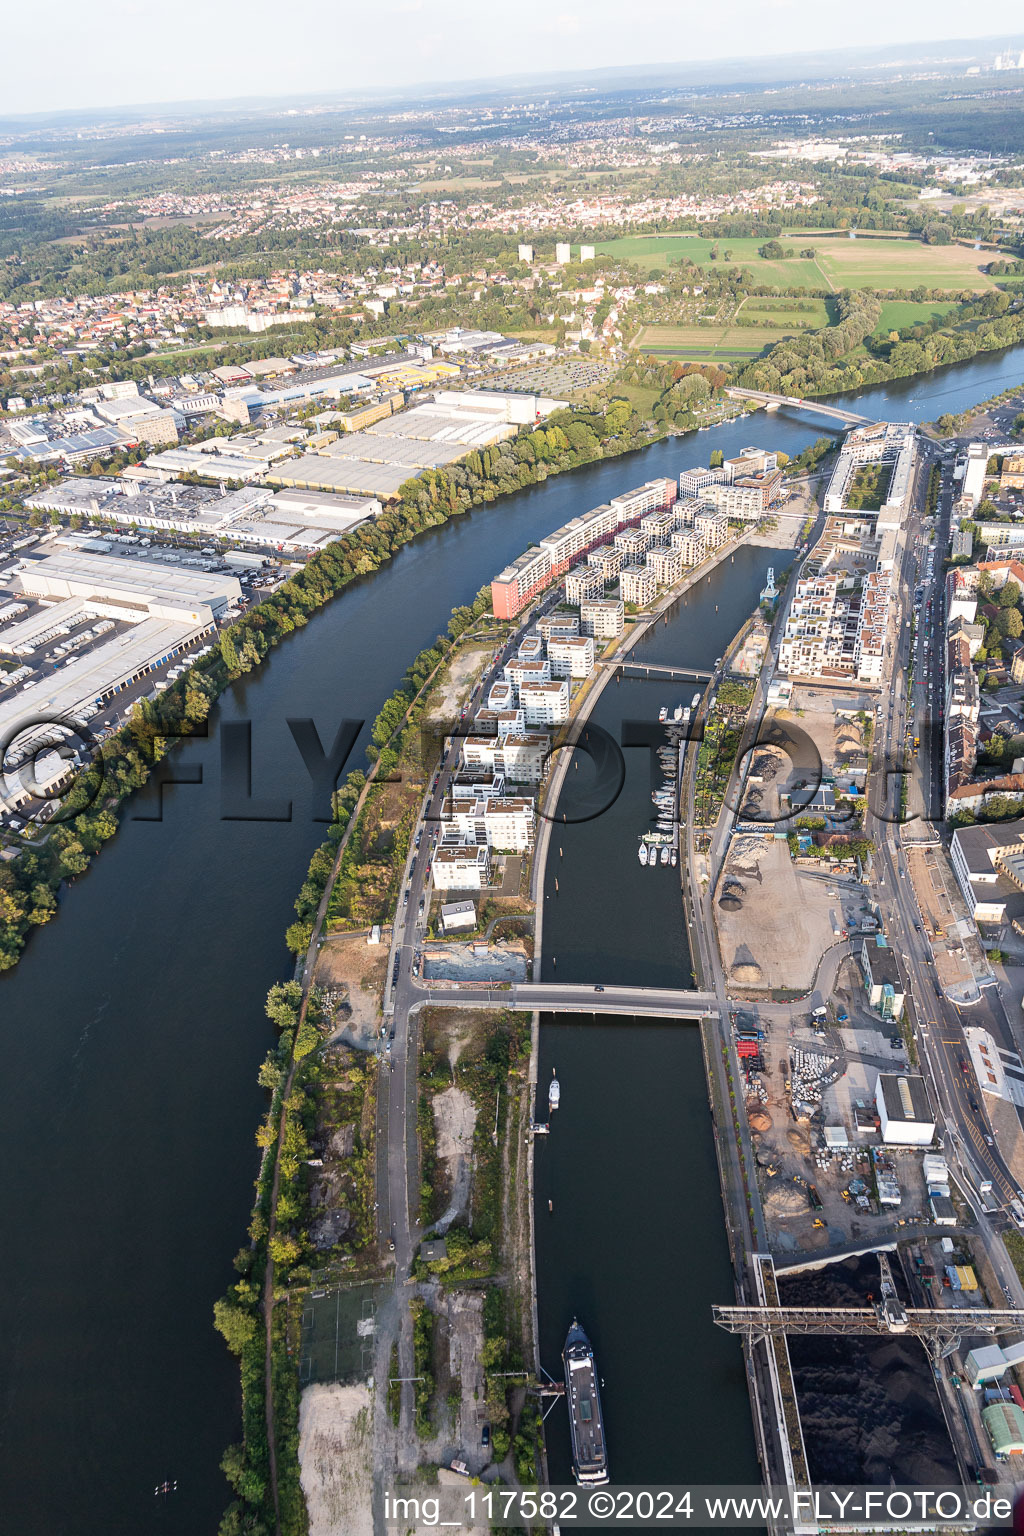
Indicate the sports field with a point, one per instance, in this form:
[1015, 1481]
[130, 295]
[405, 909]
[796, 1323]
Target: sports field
[865, 262]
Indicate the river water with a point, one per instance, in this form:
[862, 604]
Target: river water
[132, 1030]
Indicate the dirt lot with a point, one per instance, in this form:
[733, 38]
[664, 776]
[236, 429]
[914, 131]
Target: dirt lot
[955, 945]
[335, 1455]
[775, 924]
[357, 971]
[455, 1120]
[465, 1344]
[456, 685]
[459, 962]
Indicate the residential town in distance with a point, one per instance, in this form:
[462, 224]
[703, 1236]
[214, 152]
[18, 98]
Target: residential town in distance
[512, 696]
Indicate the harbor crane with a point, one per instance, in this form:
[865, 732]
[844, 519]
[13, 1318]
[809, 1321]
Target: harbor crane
[939, 1329]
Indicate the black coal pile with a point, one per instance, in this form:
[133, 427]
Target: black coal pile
[868, 1406]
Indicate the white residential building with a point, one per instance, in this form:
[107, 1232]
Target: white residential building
[582, 582]
[637, 584]
[604, 618]
[559, 626]
[519, 672]
[665, 563]
[714, 526]
[572, 658]
[607, 560]
[690, 545]
[462, 869]
[504, 824]
[545, 703]
[693, 481]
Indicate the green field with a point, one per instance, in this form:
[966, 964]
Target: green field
[865, 262]
[660, 250]
[701, 343]
[897, 313]
[787, 321]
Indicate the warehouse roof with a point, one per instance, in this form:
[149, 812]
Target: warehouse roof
[88, 574]
[74, 691]
[904, 1096]
[317, 472]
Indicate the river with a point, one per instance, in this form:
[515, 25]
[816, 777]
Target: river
[133, 1027]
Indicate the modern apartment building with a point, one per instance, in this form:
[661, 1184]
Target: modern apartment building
[462, 869]
[693, 481]
[583, 581]
[545, 703]
[603, 618]
[573, 658]
[518, 583]
[637, 584]
[665, 563]
[713, 528]
[690, 545]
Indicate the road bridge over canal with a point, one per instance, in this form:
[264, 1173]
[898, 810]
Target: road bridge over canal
[574, 997]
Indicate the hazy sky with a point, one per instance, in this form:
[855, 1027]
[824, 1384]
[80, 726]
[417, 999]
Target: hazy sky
[74, 54]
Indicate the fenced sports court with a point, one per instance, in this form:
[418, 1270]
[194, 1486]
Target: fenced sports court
[338, 1327]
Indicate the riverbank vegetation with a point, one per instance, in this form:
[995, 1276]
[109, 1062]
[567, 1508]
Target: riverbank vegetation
[718, 748]
[313, 1214]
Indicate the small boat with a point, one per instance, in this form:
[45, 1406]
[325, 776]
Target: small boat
[695, 701]
[664, 855]
[686, 717]
[674, 858]
[643, 853]
[677, 713]
[663, 713]
[554, 1092]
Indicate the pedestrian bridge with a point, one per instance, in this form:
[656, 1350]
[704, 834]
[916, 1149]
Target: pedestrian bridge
[816, 407]
[576, 997]
[654, 669]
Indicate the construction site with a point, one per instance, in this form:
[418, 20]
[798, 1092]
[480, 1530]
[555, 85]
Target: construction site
[790, 887]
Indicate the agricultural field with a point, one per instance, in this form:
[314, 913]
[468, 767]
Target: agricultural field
[661, 250]
[865, 262]
[723, 343]
[772, 314]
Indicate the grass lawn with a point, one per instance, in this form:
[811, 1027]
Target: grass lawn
[866, 262]
[896, 313]
[642, 400]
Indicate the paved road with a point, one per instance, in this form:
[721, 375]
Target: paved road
[650, 1002]
[938, 1023]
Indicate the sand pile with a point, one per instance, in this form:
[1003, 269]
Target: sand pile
[747, 974]
[759, 1119]
[785, 1200]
